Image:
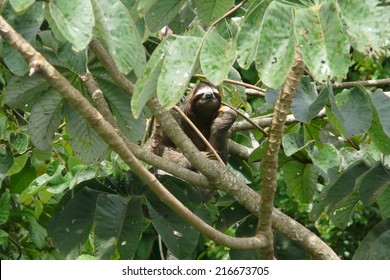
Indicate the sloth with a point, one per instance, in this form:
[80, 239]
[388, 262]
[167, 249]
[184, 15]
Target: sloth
[203, 107]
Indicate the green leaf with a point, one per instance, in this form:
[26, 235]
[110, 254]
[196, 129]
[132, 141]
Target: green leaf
[375, 245]
[3, 237]
[341, 189]
[327, 161]
[118, 32]
[19, 164]
[6, 162]
[180, 237]
[20, 181]
[82, 173]
[75, 61]
[249, 36]
[211, 10]
[118, 225]
[353, 111]
[275, 56]
[21, 5]
[46, 116]
[307, 103]
[23, 92]
[366, 24]
[293, 143]
[41, 183]
[19, 142]
[342, 215]
[72, 222]
[324, 45]
[119, 103]
[177, 69]
[5, 206]
[146, 86]
[382, 105]
[28, 26]
[231, 215]
[75, 20]
[162, 12]
[37, 232]
[216, 57]
[86, 143]
[373, 183]
[384, 203]
[301, 179]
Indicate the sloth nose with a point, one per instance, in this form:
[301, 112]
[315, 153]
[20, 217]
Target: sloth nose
[209, 95]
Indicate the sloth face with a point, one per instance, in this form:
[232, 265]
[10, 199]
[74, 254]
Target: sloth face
[206, 98]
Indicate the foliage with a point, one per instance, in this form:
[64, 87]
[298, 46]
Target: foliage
[66, 194]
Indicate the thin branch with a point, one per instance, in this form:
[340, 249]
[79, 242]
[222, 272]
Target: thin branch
[247, 119]
[228, 182]
[199, 134]
[235, 83]
[38, 64]
[374, 83]
[228, 13]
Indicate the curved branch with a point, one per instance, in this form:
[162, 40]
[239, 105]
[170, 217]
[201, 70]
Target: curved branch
[227, 182]
[105, 130]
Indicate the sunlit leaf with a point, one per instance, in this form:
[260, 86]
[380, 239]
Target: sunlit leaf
[217, 57]
[177, 69]
[162, 12]
[324, 45]
[211, 10]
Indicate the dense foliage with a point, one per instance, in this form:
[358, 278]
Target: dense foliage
[66, 194]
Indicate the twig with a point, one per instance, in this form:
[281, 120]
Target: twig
[381, 82]
[199, 133]
[247, 119]
[227, 14]
[235, 82]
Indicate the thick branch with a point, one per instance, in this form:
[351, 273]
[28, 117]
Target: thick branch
[270, 161]
[39, 64]
[228, 182]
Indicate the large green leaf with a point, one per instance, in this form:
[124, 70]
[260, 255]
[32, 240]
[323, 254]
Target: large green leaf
[146, 86]
[326, 160]
[367, 24]
[341, 189]
[72, 222]
[180, 237]
[46, 116]
[249, 36]
[373, 183]
[23, 92]
[275, 53]
[324, 45]
[384, 203]
[307, 103]
[28, 26]
[119, 103]
[5, 206]
[52, 177]
[293, 143]
[210, 10]
[162, 12]
[381, 102]
[118, 32]
[86, 143]
[75, 20]
[341, 216]
[353, 111]
[301, 179]
[375, 245]
[177, 69]
[118, 225]
[217, 57]
[21, 5]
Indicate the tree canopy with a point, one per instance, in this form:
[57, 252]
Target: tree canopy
[82, 83]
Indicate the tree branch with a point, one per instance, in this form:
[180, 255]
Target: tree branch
[228, 182]
[39, 64]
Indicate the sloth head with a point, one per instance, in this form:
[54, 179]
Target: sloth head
[205, 99]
